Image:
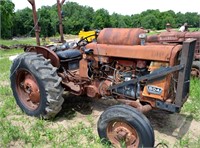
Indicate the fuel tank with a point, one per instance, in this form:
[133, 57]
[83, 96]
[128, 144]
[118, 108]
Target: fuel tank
[120, 36]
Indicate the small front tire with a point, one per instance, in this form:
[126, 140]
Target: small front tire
[122, 125]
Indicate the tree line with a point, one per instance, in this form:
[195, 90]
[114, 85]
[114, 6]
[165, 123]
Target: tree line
[77, 17]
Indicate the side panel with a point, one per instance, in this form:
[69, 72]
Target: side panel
[150, 52]
[184, 75]
[156, 86]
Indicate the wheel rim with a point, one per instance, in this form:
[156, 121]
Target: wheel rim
[120, 133]
[195, 72]
[27, 89]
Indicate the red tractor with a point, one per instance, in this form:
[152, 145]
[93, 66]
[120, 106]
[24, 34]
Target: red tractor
[119, 65]
[172, 36]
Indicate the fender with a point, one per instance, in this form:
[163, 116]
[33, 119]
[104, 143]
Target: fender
[47, 53]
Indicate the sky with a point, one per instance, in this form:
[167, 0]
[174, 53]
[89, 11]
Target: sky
[124, 7]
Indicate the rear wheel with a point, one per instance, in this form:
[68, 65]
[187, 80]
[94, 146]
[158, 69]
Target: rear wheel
[195, 72]
[36, 85]
[123, 125]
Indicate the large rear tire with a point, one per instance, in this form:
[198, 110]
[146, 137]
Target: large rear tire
[122, 125]
[36, 85]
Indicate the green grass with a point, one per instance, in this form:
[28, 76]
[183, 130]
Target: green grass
[32, 41]
[29, 41]
[38, 134]
[5, 63]
[4, 54]
[192, 106]
[194, 29]
[188, 142]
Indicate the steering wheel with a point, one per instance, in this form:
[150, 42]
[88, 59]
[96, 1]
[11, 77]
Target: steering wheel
[84, 41]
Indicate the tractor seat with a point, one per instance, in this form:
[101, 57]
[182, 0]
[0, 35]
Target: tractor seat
[68, 54]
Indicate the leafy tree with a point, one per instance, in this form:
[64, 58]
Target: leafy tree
[47, 28]
[23, 23]
[180, 19]
[167, 17]
[77, 17]
[114, 20]
[156, 12]
[149, 21]
[120, 21]
[54, 19]
[136, 20]
[192, 19]
[6, 13]
[127, 21]
[101, 19]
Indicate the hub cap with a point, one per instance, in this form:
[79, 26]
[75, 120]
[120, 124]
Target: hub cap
[121, 134]
[27, 89]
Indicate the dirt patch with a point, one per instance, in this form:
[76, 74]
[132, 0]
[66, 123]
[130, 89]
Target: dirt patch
[168, 128]
[18, 144]
[5, 83]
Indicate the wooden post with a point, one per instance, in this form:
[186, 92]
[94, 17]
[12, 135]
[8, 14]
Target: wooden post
[35, 19]
[59, 5]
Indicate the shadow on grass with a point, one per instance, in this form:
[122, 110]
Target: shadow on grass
[175, 125]
[83, 105]
[73, 104]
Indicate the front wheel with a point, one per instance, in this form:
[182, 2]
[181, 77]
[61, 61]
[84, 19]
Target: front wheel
[122, 125]
[36, 85]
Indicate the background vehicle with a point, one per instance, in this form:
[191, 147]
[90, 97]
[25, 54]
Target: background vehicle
[178, 37]
[119, 65]
[90, 35]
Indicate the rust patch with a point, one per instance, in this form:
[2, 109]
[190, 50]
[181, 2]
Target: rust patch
[120, 36]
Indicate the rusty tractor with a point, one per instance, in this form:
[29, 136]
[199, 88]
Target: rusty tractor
[119, 65]
[173, 36]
